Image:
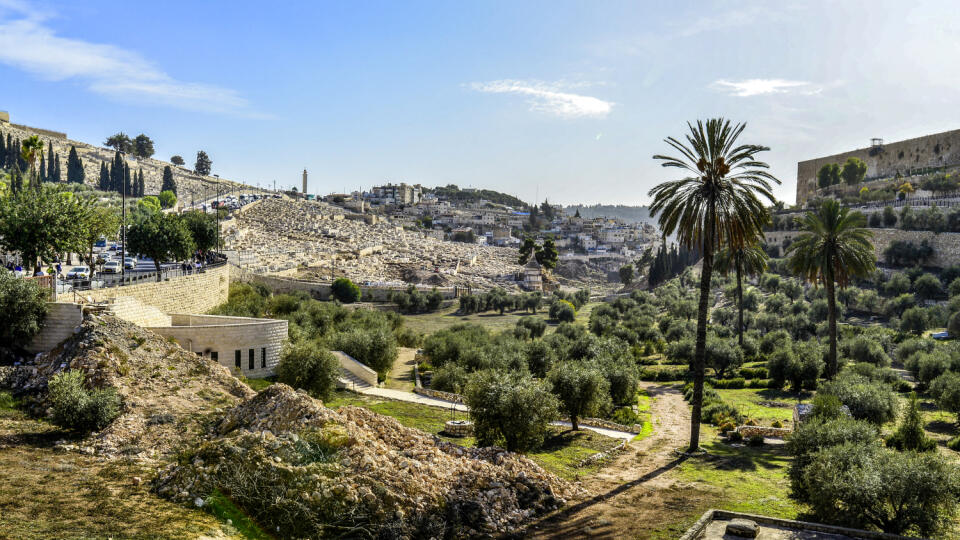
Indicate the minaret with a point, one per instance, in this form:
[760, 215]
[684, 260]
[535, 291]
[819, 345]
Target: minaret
[304, 183]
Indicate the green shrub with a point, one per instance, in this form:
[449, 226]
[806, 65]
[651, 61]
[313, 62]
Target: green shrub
[450, 378]
[727, 426]
[375, 348]
[75, 407]
[756, 440]
[753, 373]
[946, 390]
[909, 434]
[734, 436]
[409, 338]
[582, 390]
[718, 411]
[626, 416]
[345, 290]
[310, 366]
[496, 399]
[777, 424]
[818, 433]
[563, 311]
[739, 382]
[954, 443]
[23, 307]
[866, 399]
[534, 325]
[864, 349]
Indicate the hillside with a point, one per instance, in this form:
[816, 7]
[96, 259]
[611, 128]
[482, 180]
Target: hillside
[92, 156]
[629, 214]
[454, 193]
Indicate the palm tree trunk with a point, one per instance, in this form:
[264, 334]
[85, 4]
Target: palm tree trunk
[832, 316]
[739, 306]
[699, 357]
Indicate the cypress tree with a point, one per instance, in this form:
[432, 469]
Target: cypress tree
[104, 183]
[126, 179]
[16, 179]
[75, 173]
[3, 152]
[50, 160]
[142, 187]
[22, 163]
[168, 183]
[116, 173]
[42, 173]
[56, 170]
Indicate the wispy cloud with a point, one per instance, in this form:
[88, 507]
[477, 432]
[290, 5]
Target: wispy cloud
[550, 98]
[760, 87]
[28, 43]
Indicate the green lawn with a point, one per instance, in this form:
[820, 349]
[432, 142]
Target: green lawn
[761, 404]
[428, 323]
[561, 454]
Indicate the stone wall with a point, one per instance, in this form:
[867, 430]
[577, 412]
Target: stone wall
[221, 338]
[937, 150]
[361, 371]
[946, 245]
[61, 319]
[132, 310]
[766, 431]
[321, 291]
[196, 293]
[439, 394]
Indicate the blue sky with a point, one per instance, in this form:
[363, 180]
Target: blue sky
[566, 100]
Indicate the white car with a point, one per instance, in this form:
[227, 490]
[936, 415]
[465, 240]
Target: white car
[79, 272]
[130, 263]
[111, 267]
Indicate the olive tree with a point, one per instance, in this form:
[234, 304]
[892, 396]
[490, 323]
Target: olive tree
[510, 408]
[582, 390]
[23, 307]
[310, 366]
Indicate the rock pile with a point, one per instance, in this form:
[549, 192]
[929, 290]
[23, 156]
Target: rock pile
[284, 234]
[307, 470]
[167, 392]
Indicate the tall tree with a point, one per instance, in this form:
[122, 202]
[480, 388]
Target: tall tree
[749, 259]
[50, 161]
[56, 169]
[178, 161]
[142, 146]
[3, 151]
[43, 168]
[40, 224]
[141, 185]
[127, 183]
[547, 254]
[161, 237]
[75, 172]
[717, 204]
[116, 172]
[832, 247]
[119, 142]
[203, 164]
[97, 221]
[104, 183]
[16, 178]
[203, 228]
[168, 183]
[853, 171]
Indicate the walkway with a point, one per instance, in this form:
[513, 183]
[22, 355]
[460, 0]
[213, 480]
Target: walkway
[354, 384]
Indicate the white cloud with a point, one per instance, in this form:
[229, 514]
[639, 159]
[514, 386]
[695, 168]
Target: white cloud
[759, 87]
[550, 98]
[28, 44]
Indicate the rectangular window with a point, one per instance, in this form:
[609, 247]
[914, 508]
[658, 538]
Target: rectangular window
[250, 359]
[263, 357]
[215, 356]
[236, 359]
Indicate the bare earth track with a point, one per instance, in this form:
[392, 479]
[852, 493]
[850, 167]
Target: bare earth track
[631, 495]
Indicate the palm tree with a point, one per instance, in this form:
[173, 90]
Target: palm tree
[717, 204]
[31, 148]
[834, 246]
[749, 259]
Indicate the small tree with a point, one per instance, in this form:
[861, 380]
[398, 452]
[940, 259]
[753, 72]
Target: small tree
[310, 366]
[119, 142]
[927, 286]
[142, 146]
[913, 320]
[203, 164]
[853, 171]
[167, 199]
[41, 224]
[168, 182]
[178, 161]
[202, 227]
[626, 274]
[345, 290]
[75, 172]
[23, 307]
[889, 216]
[161, 237]
[496, 397]
[910, 434]
[946, 389]
[562, 311]
[583, 391]
[98, 221]
[76, 407]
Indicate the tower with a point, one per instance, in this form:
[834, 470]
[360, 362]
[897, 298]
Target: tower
[304, 183]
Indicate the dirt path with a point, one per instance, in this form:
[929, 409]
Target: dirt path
[401, 374]
[631, 495]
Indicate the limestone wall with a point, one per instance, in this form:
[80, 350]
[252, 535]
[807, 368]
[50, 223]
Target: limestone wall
[361, 371]
[937, 150]
[946, 245]
[258, 341]
[321, 291]
[132, 310]
[62, 318]
[196, 293]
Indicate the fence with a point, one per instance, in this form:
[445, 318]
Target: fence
[135, 278]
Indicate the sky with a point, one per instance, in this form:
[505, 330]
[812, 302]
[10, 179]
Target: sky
[559, 100]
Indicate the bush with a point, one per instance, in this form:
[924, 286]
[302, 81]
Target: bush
[563, 311]
[534, 325]
[77, 408]
[914, 320]
[718, 412]
[756, 440]
[450, 378]
[774, 341]
[862, 485]
[818, 433]
[753, 373]
[910, 435]
[736, 383]
[946, 390]
[864, 349]
[582, 390]
[23, 306]
[776, 424]
[376, 348]
[911, 346]
[409, 338]
[496, 397]
[345, 290]
[625, 416]
[866, 399]
[734, 436]
[310, 366]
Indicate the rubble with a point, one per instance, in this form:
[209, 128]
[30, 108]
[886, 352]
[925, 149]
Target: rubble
[292, 463]
[320, 239]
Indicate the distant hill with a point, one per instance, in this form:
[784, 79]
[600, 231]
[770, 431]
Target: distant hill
[454, 193]
[629, 214]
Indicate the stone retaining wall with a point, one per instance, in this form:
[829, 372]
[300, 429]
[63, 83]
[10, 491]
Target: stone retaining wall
[361, 371]
[766, 431]
[61, 319]
[607, 424]
[446, 396]
[946, 245]
[195, 293]
[321, 291]
[698, 529]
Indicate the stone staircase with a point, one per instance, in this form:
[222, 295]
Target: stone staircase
[350, 381]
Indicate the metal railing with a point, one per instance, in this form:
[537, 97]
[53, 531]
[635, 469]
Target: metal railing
[109, 281]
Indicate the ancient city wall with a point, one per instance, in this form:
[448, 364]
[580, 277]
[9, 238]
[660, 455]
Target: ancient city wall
[196, 293]
[946, 245]
[937, 150]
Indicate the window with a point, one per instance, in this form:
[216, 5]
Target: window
[236, 359]
[250, 359]
[263, 357]
[215, 356]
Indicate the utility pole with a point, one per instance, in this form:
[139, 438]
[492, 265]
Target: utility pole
[218, 215]
[123, 228]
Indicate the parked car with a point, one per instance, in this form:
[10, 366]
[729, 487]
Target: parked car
[130, 263]
[111, 267]
[79, 272]
[113, 247]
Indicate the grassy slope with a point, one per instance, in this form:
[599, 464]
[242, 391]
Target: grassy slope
[429, 323]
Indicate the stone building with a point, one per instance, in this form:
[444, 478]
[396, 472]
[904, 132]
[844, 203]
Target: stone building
[930, 152]
[532, 275]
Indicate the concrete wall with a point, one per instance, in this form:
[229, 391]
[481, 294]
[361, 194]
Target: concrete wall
[132, 310]
[946, 245]
[363, 372]
[223, 337]
[196, 293]
[937, 150]
[321, 291]
[62, 318]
